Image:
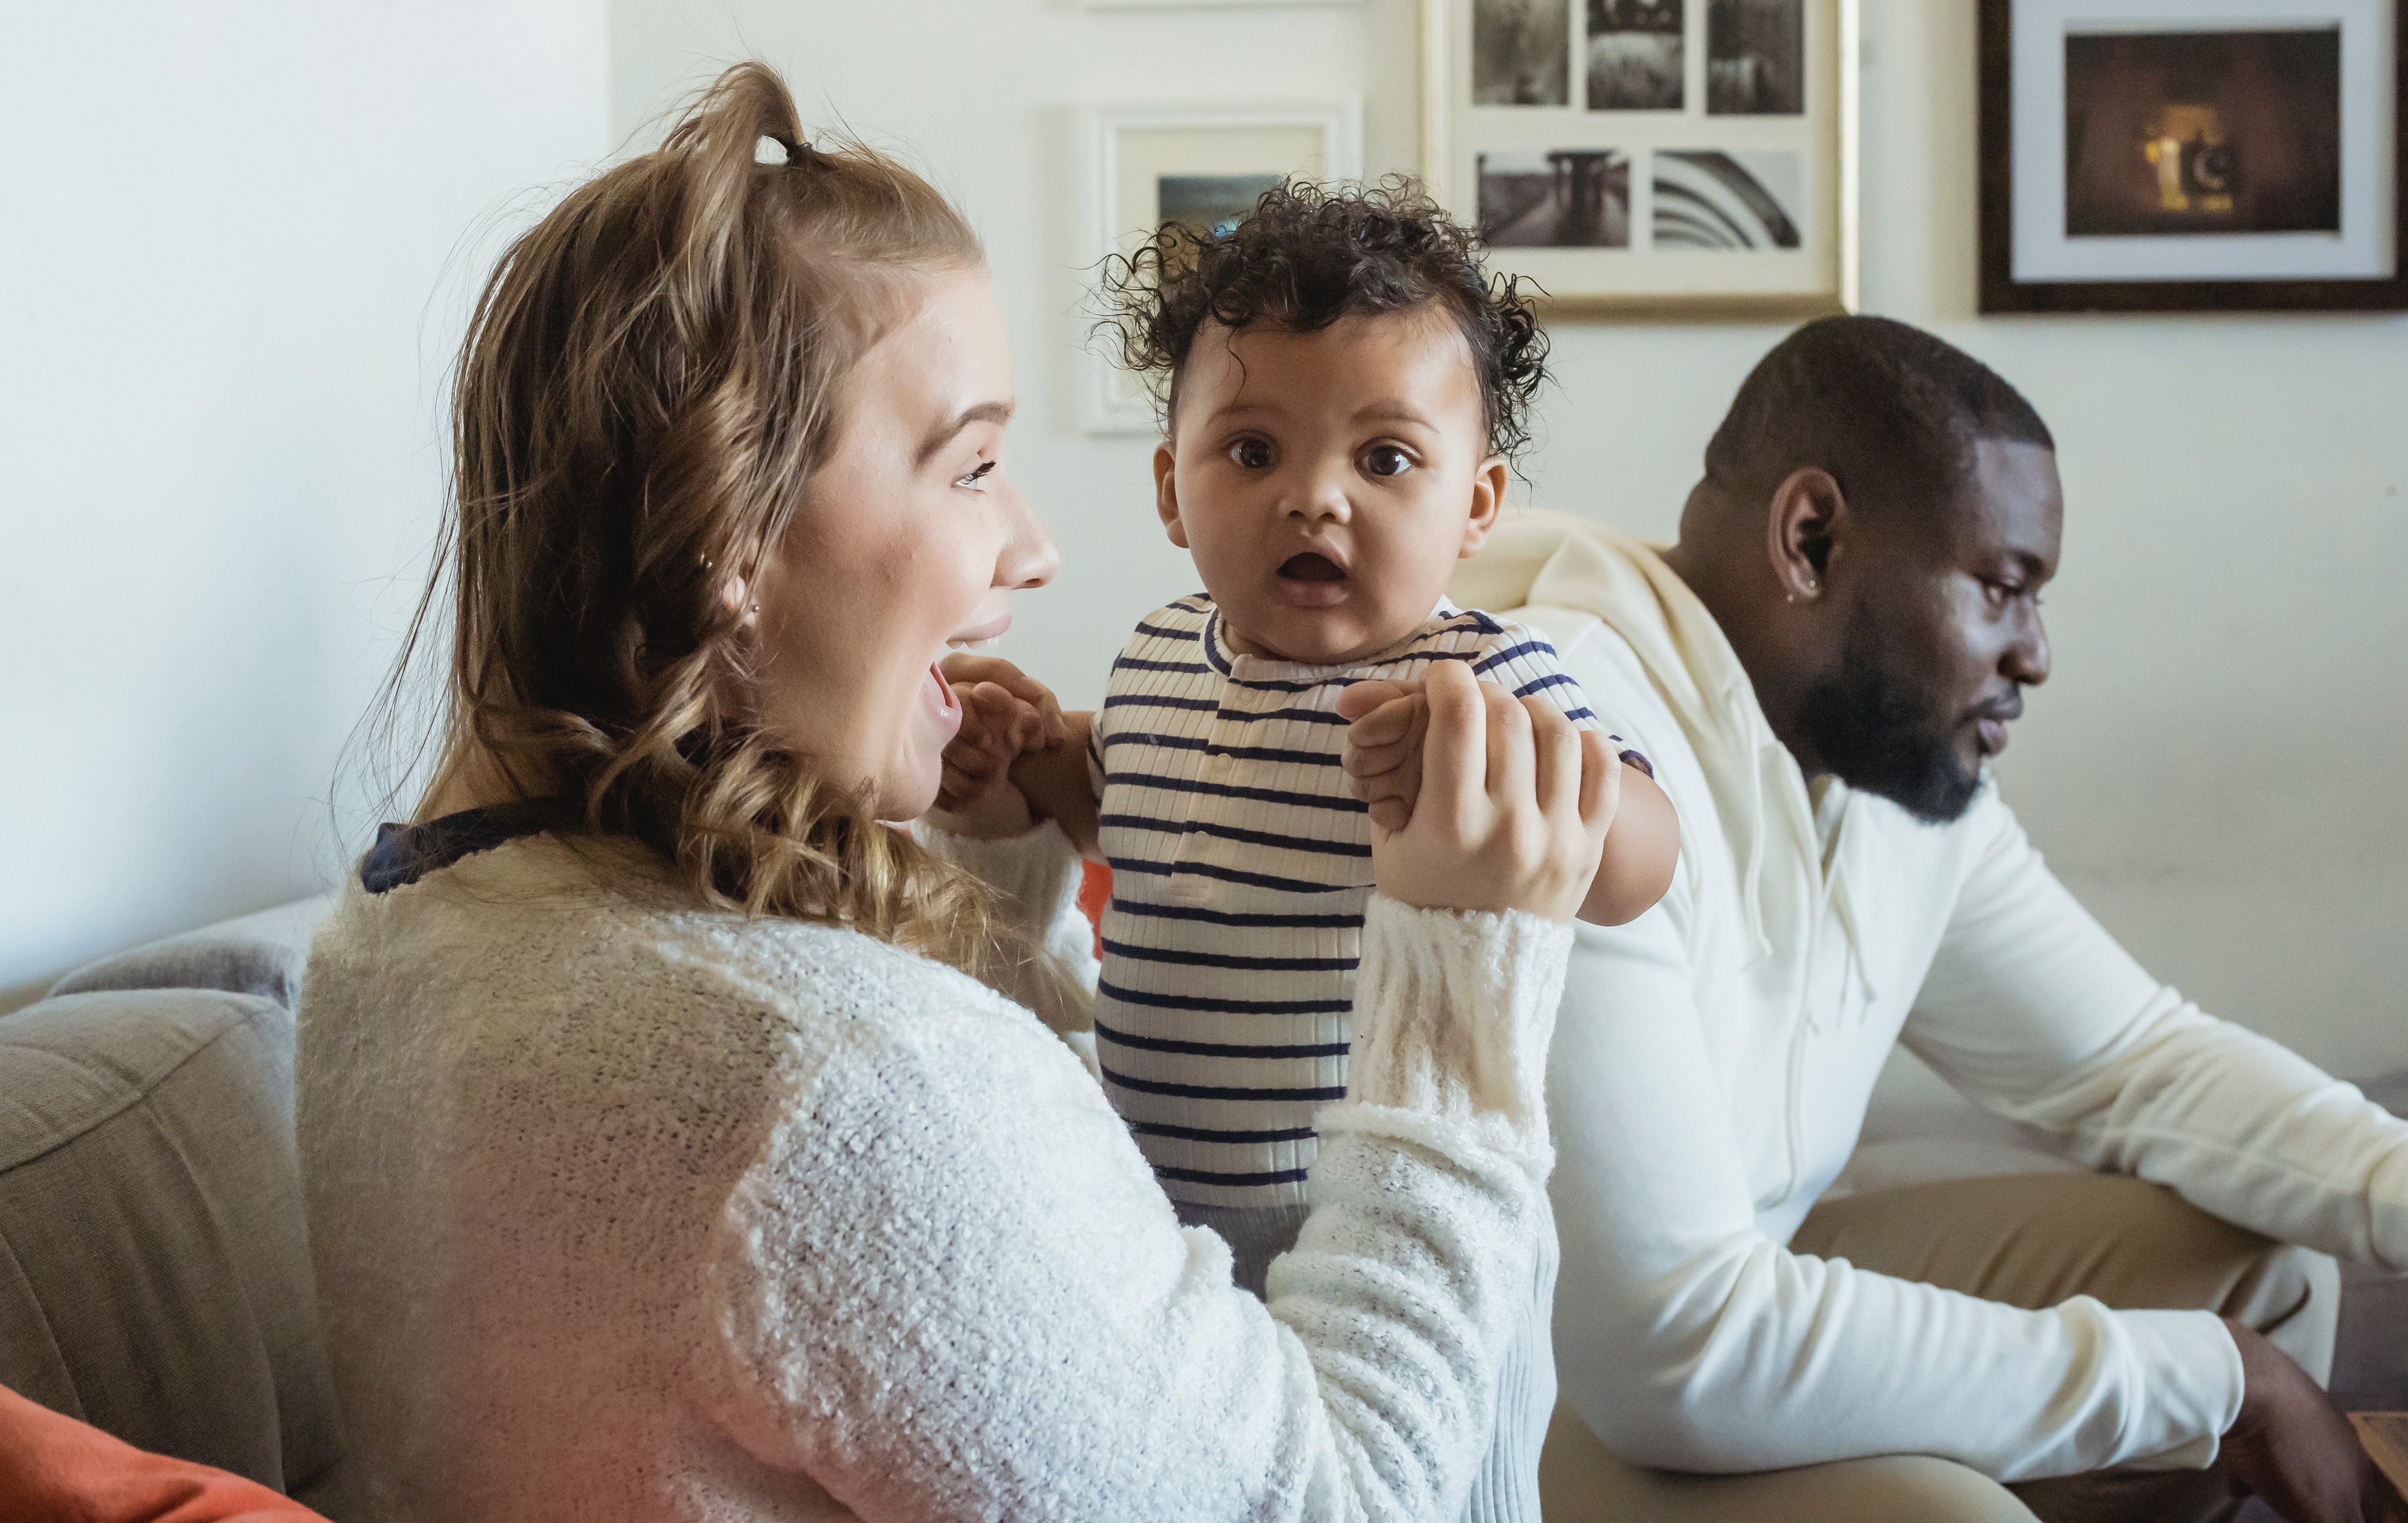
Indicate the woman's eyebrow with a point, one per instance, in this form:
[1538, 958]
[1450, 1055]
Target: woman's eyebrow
[942, 435]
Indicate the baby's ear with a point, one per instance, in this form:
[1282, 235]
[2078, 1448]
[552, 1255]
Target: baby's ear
[1487, 501]
[1166, 493]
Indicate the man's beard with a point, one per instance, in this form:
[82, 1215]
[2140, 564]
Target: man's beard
[1877, 729]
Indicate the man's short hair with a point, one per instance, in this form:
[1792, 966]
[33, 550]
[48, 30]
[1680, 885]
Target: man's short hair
[1892, 412]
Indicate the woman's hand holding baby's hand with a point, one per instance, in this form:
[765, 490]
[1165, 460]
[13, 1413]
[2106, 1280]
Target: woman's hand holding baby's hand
[1512, 805]
[1005, 714]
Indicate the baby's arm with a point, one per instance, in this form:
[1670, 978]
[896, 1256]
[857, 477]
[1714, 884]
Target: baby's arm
[1018, 760]
[1383, 765]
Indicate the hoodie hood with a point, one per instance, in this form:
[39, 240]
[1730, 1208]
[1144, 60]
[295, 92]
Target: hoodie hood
[1571, 577]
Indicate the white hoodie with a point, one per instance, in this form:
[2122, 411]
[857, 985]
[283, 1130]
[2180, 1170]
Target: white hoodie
[1712, 1064]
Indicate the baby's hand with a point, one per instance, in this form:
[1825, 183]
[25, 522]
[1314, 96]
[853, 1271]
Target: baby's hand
[1005, 715]
[1383, 748]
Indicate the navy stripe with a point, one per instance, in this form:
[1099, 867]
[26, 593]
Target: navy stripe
[1211, 646]
[1133, 664]
[1231, 791]
[1227, 874]
[1214, 1091]
[1222, 1049]
[1231, 832]
[1214, 917]
[1163, 1129]
[1241, 753]
[1229, 1007]
[1161, 633]
[1229, 716]
[1208, 1177]
[1553, 679]
[1576, 715]
[1155, 700]
[1498, 658]
[1216, 960]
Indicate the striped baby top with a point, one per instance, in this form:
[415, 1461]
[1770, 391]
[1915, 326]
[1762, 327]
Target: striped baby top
[1241, 865]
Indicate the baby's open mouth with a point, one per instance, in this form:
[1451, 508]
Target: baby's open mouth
[1311, 567]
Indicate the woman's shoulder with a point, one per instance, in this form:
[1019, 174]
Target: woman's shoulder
[537, 929]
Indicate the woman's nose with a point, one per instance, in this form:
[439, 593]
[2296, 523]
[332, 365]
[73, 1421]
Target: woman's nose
[1030, 556]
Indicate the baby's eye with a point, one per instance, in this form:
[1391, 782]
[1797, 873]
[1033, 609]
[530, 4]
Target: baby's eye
[1386, 460]
[980, 475]
[1252, 454]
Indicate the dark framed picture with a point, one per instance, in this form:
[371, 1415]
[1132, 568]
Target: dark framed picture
[1651, 158]
[2192, 155]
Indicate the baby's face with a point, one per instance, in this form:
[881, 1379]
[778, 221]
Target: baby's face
[1328, 482]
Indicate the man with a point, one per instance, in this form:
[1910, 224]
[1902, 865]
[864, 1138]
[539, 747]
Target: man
[1818, 670]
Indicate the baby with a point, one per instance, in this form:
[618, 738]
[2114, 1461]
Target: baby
[1344, 387]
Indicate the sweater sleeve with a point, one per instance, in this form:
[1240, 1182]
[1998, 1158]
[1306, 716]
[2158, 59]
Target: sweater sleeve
[1688, 1339]
[950, 1286]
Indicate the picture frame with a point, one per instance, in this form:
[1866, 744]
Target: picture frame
[1652, 158]
[1147, 164]
[2192, 155]
[1204, 4]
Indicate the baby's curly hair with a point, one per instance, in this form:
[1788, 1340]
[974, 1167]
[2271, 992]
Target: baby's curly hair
[1306, 257]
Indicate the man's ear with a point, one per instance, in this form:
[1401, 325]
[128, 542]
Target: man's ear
[1487, 501]
[1166, 493]
[1807, 511]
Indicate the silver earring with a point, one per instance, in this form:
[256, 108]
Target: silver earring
[1812, 588]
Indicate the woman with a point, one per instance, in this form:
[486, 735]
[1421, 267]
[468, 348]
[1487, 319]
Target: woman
[682, 1142]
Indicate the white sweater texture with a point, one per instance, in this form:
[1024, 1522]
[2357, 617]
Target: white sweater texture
[1799, 943]
[623, 1208]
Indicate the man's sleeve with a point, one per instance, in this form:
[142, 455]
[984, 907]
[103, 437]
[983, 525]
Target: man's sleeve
[2034, 1012]
[1520, 660]
[1688, 1339]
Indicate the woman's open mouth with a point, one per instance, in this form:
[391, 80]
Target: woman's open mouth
[943, 708]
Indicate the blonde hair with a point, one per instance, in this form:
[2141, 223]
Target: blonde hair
[651, 378]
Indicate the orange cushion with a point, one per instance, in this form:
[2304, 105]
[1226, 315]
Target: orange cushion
[61, 1471]
[1094, 892]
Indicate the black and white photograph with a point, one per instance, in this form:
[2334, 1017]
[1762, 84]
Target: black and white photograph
[1755, 57]
[2192, 133]
[1521, 52]
[1634, 55]
[1214, 202]
[1563, 198]
[1709, 199]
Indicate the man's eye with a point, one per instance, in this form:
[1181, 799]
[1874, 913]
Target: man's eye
[1252, 454]
[1386, 460]
[980, 475]
[2001, 593]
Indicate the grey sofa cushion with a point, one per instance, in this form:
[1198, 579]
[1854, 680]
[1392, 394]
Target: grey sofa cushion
[258, 954]
[155, 1271]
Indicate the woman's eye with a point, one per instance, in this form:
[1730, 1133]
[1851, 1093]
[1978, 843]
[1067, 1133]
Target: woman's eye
[1252, 454]
[980, 475]
[2000, 593]
[1386, 460]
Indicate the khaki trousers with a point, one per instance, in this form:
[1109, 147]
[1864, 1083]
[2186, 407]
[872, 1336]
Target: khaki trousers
[2027, 1240]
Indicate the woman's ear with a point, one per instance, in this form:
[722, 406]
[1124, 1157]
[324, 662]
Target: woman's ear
[1806, 513]
[1487, 501]
[1166, 493]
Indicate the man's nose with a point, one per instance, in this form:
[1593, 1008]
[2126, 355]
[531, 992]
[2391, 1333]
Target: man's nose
[1029, 557]
[2027, 658]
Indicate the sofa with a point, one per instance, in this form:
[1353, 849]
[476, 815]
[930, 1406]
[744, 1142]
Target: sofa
[155, 1277]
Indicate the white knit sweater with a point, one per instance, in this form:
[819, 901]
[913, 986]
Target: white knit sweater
[623, 1208]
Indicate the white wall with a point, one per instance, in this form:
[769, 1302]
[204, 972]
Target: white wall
[2212, 767]
[221, 352]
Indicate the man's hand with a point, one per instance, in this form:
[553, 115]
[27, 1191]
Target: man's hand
[1005, 715]
[2292, 1446]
